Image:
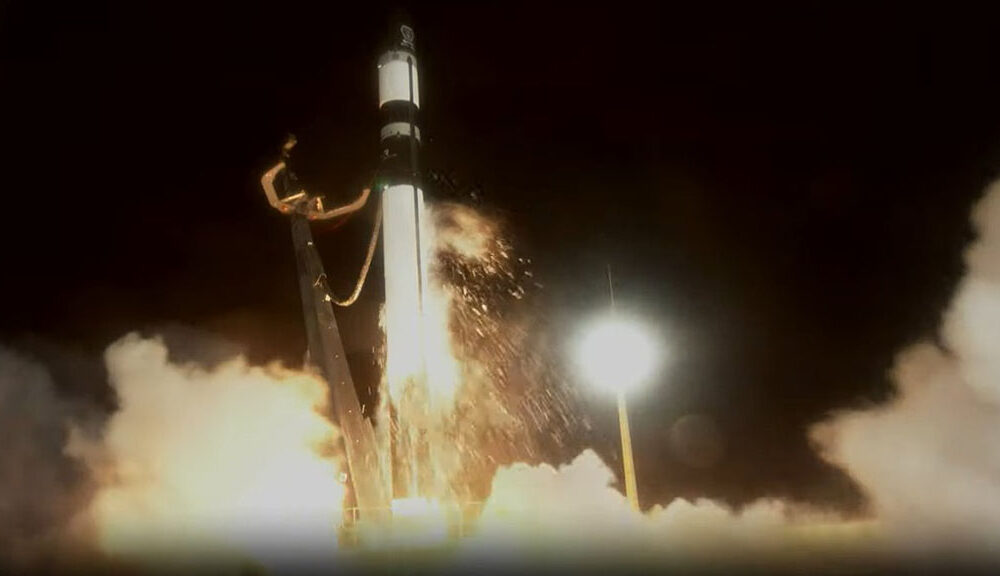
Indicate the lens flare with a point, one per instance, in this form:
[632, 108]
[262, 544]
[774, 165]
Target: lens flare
[616, 354]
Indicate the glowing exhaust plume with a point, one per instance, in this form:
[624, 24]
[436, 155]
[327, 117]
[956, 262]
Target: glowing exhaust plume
[233, 462]
[425, 372]
[419, 522]
[405, 285]
[473, 354]
[421, 373]
[418, 348]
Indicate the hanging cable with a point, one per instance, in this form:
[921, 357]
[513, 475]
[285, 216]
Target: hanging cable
[369, 256]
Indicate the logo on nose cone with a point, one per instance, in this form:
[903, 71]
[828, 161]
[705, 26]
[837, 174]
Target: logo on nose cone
[407, 33]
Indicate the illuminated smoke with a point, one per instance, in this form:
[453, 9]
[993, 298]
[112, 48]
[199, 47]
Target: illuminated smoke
[461, 231]
[233, 463]
[491, 388]
[929, 459]
[510, 400]
[575, 510]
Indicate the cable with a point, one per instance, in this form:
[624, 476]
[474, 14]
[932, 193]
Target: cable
[364, 268]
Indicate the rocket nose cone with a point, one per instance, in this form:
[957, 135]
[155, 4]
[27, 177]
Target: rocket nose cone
[401, 35]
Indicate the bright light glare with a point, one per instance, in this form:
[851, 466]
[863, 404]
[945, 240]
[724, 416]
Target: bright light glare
[616, 354]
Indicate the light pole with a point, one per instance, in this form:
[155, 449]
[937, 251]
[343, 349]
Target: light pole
[617, 354]
[631, 491]
[628, 462]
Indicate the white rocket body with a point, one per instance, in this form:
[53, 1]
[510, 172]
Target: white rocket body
[406, 250]
[405, 254]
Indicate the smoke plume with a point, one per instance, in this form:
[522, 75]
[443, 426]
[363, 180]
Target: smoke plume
[572, 513]
[929, 459]
[203, 465]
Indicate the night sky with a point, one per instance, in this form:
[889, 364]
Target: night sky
[783, 192]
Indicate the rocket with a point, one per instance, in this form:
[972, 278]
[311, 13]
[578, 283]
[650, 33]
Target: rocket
[406, 247]
[403, 215]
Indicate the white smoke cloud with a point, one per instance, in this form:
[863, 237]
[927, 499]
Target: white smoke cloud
[929, 459]
[972, 325]
[575, 512]
[219, 465]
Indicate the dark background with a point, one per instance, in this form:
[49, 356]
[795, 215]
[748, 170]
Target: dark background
[784, 192]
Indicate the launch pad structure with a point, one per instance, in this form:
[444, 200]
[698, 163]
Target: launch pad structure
[401, 217]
